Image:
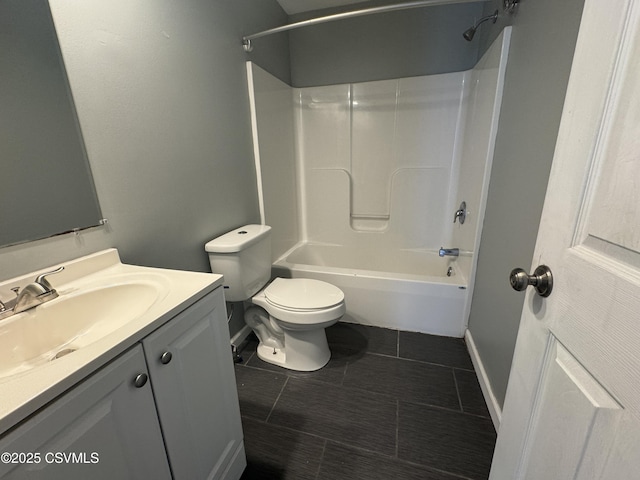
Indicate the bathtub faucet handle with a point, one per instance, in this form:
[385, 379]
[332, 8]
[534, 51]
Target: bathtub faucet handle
[449, 252]
[461, 213]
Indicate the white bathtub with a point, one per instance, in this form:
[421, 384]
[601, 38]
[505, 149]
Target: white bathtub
[402, 289]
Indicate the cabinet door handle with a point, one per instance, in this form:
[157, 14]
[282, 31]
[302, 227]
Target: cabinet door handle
[140, 380]
[165, 358]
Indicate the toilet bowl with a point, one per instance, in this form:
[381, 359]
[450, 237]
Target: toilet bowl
[289, 315]
[289, 318]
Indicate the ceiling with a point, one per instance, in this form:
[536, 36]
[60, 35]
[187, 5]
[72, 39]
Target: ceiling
[298, 6]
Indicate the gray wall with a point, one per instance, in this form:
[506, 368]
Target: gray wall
[406, 43]
[160, 90]
[542, 45]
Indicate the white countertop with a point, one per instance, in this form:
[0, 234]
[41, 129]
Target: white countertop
[23, 393]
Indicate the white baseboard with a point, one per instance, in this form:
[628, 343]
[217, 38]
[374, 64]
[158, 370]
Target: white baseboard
[492, 402]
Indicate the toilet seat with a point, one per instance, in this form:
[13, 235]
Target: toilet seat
[299, 303]
[302, 294]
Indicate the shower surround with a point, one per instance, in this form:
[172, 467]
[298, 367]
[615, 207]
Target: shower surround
[361, 182]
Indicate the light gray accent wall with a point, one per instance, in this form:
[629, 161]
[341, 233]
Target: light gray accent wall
[406, 43]
[542, 45]
[161, 94]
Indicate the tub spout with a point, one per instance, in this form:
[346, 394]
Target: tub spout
[450, 252]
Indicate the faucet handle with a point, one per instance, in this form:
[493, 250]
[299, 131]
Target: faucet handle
[4, 307]
[44, 282]
[461, 213]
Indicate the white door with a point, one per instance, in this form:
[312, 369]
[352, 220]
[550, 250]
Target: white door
[572, 409]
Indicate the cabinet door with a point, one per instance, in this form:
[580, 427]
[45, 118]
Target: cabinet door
[195, 392]
[103, 428]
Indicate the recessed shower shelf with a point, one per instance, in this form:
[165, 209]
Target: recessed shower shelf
[368, 223]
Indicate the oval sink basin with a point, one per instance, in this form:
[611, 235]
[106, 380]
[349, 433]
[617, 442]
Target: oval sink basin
[70, 322]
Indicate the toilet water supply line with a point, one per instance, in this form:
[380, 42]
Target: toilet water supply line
[248, 46]
[235, 354]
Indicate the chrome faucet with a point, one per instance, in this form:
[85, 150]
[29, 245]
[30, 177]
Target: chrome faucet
[450, 252]
[34, 294]
[461, 213]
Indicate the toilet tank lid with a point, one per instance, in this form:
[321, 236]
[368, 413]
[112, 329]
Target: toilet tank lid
[238, 239]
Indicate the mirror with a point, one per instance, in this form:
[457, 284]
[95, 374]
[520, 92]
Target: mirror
[46, 186]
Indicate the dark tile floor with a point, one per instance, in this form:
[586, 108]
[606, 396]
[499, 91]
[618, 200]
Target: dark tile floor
[388, 405]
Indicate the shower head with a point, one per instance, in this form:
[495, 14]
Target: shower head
[469, 33]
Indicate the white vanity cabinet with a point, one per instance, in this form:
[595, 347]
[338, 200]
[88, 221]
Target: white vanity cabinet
[166, 408]
[109, 424]
[191, 370]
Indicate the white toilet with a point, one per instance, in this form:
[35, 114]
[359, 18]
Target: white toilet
[289, 315]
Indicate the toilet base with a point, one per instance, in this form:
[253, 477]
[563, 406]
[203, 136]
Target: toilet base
[304, 351]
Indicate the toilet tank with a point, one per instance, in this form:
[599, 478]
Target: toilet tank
[243, 256]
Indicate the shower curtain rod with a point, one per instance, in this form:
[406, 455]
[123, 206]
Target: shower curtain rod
[246, 40]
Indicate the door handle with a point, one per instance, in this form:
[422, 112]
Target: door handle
[541, 280]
